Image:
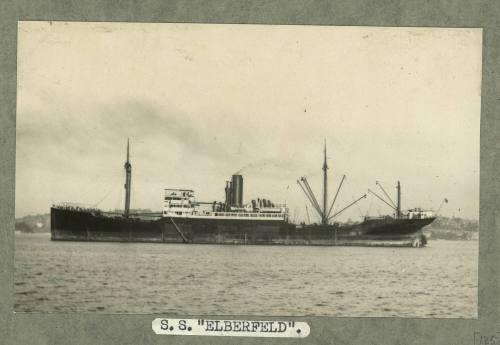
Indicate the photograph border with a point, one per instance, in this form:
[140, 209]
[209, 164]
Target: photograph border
[96, 328]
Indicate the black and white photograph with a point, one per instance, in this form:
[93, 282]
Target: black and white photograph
[243, 169]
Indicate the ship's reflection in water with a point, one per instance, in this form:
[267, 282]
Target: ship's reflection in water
[438, 281]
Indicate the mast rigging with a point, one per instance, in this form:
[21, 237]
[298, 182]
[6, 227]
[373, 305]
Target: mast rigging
[381, 199]
[336, 194]
[387, 195]
[310, 195]
[345, 208]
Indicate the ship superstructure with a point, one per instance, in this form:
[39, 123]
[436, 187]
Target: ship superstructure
[181, 203]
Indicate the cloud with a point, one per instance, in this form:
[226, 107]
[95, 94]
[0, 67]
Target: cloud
[235, 107]
[96, 129]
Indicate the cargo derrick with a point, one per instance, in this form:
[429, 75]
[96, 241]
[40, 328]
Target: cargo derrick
[322, 212]
[396, 207]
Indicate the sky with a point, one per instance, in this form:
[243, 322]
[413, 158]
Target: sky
[200, 102]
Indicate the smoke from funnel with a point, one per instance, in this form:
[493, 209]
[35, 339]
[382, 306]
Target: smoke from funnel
[273, 162]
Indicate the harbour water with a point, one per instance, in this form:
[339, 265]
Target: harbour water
[439, 281]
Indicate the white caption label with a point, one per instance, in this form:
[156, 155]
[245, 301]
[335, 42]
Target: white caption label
[231, 328]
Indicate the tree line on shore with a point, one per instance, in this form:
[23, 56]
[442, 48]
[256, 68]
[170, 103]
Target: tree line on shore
[453, 228]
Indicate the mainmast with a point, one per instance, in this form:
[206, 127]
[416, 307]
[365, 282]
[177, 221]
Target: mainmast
[128, 181]
[323, 212]
[325, 190]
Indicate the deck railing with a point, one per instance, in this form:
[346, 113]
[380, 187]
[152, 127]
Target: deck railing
[234, 214]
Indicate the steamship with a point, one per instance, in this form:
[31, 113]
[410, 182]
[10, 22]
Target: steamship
[186, 220]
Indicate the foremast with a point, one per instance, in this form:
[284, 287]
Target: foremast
[128, 181]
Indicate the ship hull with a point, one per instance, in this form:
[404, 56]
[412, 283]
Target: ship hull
[81, 225]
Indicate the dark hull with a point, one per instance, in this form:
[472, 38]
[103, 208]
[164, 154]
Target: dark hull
[81, 225]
